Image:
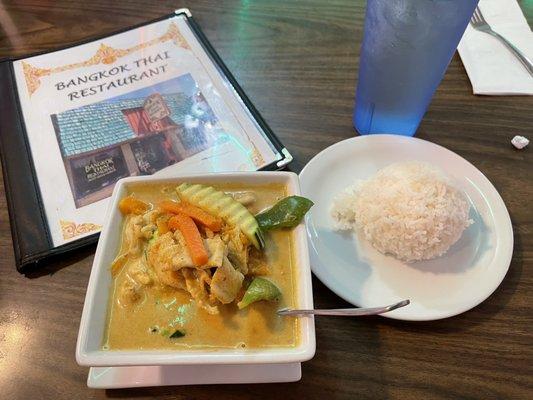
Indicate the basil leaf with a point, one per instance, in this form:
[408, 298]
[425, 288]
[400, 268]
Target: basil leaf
[286, 213]
[177, 334]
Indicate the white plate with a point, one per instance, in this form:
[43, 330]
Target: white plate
[142, 376]
[449, 285]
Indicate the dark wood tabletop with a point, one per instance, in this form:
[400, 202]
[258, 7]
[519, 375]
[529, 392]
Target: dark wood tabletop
[298, 61]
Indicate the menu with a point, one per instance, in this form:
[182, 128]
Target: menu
[155, 99]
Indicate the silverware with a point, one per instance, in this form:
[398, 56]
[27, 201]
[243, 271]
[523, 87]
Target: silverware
[478, 22]
[346, 312]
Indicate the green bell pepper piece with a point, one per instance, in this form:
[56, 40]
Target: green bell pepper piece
[286, 213]
[259, 289]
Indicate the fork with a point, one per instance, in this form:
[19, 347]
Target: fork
[479, 23]
[346, 312]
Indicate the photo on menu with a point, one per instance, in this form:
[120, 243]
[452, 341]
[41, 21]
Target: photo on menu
[137, 133]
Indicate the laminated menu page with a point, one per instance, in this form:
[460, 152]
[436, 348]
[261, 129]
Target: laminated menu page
[154, 99]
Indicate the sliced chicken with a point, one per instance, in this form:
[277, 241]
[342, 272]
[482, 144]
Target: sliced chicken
[150, 217]
[216, 250]
[237, 248]
[226, 282]
[160, 257]
[138, 271]
[147, 231]
[133, 235]
[195, 281]
[174, 279]
[129, 293]
[180, 257]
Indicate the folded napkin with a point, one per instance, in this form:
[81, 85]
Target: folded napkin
[492, 69]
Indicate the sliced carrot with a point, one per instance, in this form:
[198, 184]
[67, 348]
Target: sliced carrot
[131, 205]
[170, 206]
[196, 213]
[190, 232]
[173, 224]
[162, 225]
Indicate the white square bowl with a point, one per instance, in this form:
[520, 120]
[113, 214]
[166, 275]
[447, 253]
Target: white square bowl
[93, 321]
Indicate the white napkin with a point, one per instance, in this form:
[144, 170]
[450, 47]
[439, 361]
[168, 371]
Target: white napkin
[492, 69]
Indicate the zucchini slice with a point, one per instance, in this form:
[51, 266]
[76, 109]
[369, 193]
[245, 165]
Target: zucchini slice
[222, 205]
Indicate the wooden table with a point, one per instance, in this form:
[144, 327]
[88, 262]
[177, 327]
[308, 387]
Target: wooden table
[298, 61]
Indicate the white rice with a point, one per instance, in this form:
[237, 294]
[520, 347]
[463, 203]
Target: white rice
[409, 210]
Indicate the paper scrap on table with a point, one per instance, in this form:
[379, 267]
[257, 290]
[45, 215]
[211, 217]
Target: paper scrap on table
[520, 142]
[492, 69]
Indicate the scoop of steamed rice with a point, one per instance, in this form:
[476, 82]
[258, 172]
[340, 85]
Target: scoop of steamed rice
[409, 210]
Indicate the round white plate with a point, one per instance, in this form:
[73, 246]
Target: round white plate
[449, 285]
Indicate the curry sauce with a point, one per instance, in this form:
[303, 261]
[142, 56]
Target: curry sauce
[163, 317]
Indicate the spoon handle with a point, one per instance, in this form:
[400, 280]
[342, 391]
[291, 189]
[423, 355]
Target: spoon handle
[346, 312]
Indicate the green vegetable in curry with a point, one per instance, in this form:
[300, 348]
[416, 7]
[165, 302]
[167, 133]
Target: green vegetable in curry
[177, 334]
[286, 213]
[259, 289]
[222, 205]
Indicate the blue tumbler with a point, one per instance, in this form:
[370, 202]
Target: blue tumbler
[406, 49]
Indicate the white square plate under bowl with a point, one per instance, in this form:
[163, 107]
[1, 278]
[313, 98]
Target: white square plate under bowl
[135, 368]
[445, 286]
[171, 375]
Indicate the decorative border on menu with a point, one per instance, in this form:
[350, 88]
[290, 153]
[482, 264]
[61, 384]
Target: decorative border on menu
[104, 55]
[70, 229]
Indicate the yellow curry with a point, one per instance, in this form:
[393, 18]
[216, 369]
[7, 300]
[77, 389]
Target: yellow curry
[204, 266]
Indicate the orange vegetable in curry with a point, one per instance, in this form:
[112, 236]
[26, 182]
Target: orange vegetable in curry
[131, 205]
[162, 224]
[192, 236]
[196, 213]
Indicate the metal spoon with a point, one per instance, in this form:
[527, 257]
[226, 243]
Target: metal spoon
[346, 312]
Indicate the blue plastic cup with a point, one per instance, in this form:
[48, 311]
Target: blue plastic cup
[406, 49]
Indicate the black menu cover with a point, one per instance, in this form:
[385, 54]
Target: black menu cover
[151, 99]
